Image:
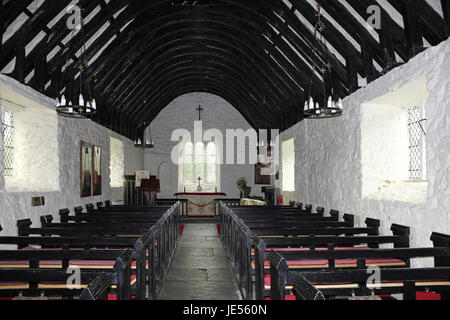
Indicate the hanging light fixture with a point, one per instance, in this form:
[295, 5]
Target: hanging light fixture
[331, 107]
[148, 140]
[85, 106]
[138, 143]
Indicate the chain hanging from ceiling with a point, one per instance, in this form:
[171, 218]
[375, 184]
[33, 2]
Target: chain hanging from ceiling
[332, 105]
[86, 106]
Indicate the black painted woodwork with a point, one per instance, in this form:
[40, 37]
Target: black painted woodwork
[256, 54]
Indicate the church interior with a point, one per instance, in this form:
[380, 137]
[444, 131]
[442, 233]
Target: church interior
[225, 150]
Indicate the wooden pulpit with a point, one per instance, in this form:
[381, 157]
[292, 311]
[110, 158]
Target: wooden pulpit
[150, 187]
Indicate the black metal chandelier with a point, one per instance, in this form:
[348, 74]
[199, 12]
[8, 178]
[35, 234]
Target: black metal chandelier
[331, 106]
[147, 141]
[86, 106]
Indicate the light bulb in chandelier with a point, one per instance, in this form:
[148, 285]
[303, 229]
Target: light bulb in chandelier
[94, 104]
[81, 101]
[330, 104]
[63, 101]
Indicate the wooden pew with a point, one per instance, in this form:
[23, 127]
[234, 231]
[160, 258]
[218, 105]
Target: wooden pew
[53, 282]
[237, 233]
[94, 249]
[165, 234]
[97, 289]
[263, 246]
[348, 284]
[283, 271]
[245, 243]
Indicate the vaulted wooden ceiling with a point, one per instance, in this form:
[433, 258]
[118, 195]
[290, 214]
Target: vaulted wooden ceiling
[256, 54]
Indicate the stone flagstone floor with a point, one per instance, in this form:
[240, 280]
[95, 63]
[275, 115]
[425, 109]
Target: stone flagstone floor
[200, 269]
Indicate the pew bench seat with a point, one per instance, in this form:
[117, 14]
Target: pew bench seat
[339, 263]
[46, 285]
[52, 264]
[383, 284]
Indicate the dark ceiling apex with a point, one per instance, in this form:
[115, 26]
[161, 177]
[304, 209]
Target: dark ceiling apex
[256, 54]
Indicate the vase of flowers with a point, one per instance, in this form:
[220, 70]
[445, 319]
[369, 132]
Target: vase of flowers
[245, 190]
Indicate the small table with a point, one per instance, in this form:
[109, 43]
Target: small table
[200, 203]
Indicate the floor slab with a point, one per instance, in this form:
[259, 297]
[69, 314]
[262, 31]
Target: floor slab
[200, 269]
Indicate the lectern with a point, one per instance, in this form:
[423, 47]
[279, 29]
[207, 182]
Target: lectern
[150, 187]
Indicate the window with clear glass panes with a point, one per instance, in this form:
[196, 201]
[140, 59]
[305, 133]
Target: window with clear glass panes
[417, 135]
[200, 162]
[8, 141]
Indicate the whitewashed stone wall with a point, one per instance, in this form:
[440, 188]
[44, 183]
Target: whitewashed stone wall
[328, 153]
[181, 114]
[17, 205]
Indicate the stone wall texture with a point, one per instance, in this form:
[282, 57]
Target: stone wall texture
[328, 153]
[17, 205]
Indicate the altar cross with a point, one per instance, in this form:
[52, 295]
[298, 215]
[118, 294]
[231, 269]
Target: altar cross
[199, 109]
[199, 188]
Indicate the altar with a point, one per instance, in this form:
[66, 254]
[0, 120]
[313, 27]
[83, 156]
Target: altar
[200, 203]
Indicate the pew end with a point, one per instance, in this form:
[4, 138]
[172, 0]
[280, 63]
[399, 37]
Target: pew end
[108, 203]
[98, 289]
[122, 267]
[99, 204]
[441, 240]
[278, 275]
[349, 220]
[23, 229]
[308, 208]
[300, 205]
[46, 220]
[305, 290]
[78, 210]
[90, 207]
[64, 215]
[334, 214]
[375, 224]
[399, 230]
[320, 211]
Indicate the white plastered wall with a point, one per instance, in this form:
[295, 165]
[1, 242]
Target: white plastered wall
[55, 175]
[181, 114]
[329, 170]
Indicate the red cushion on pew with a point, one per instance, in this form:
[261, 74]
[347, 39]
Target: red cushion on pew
[428, 296]
[338, 262]
[6, 299]
[181, 229]
[288, 297]
[220, 232]
[113, 297]
[307, 249]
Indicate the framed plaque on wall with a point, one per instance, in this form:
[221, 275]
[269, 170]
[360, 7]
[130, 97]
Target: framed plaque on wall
[85, 169]
[96, 171]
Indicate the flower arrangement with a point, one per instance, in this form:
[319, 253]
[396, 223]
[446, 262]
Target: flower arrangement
[241, 183]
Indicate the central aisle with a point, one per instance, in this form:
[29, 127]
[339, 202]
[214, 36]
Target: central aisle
[199, 269]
